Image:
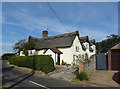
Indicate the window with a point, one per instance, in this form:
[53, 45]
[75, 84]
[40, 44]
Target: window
[30, 51]
[86, 46]
[74, 57]
[77, 49]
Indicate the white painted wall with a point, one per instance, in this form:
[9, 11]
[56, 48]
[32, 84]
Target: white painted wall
[68, 52]
[31, 52]
[66, 56]
[21, 53]
[40, 52]
[86, 44]
[52, 54]
[94, 48]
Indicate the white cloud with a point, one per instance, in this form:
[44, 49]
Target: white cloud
[7, 44]
[10, 23]
[94, 34]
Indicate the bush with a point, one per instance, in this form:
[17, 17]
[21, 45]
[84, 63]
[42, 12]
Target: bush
[57, 63]
[6, 56]
[82, 76]
[44, 63]
[39, 62]
[22, 61]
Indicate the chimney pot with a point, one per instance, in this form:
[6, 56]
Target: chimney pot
[45, 34]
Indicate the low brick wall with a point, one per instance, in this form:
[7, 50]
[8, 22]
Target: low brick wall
[91, 65]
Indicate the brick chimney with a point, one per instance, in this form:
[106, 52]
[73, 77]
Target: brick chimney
[45, 34]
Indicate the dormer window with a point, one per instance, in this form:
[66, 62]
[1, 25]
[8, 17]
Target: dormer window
[77, 49]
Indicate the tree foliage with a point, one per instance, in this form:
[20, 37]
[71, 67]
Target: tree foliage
[105, 45]
[23, 45]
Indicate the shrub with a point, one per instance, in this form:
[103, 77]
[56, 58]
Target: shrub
[44, 63]
[6, 56]
[57, 63]
[22, 61]
[39, 62]
[82, 76]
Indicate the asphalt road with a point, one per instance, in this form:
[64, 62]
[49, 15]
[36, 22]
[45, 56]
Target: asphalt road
[13, 78]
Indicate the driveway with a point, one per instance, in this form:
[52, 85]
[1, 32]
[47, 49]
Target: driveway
[105, 77]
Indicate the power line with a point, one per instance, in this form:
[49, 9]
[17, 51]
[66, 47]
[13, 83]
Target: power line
[58, 17]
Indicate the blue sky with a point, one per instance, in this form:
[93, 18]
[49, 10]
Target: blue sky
[22, 19]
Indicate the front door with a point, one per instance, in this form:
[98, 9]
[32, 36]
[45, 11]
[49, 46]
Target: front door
[58, 60]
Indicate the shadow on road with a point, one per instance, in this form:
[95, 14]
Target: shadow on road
[116, 77]
[26, 76]
[5, 69]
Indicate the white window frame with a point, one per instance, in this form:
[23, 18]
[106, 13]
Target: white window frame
[77, 48]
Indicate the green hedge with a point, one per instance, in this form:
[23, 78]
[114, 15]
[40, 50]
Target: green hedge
[44, 63]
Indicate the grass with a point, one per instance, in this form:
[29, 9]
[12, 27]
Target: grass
[57, 67]
[3, 87]
[75, 80]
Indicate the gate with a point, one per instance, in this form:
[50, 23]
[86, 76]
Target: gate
[101, 62]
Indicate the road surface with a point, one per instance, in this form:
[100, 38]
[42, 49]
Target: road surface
[13, 78]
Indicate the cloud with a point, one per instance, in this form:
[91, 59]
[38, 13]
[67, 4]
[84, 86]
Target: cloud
[10, 23]
[32, 23]
[7, 44]
[94, 34]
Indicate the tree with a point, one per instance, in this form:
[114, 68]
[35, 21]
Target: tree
[105, 45]
[19, 45]
[23, 45]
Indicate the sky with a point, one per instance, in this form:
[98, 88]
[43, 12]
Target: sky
[23, 19]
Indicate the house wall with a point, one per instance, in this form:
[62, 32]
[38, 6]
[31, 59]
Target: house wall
[31, 52]
[69, 52]
[40, 52]
[66, 56]
[94, 48]
[86, 44]
[52, 54]
[21, 53]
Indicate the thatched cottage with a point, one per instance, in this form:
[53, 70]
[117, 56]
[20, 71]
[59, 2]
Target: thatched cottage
[62, 47]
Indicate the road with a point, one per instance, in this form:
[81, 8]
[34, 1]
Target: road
[13, 78]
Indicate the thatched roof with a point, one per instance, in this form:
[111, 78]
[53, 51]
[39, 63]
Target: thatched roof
[64, 40]
[59, 41]
[92, 42]
[84, 39]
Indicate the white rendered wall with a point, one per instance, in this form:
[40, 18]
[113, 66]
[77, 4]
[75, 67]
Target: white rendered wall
[33, 52]
[21, 53]
[68, 53]
[94, 50]
[53, 55]
[73, 47]
[66, 56]
[40, 52]
[86, 44]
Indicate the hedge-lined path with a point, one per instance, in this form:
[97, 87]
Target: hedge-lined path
[13, 78]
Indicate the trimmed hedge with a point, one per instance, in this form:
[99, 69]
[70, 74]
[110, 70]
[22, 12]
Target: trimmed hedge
[44, 63]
